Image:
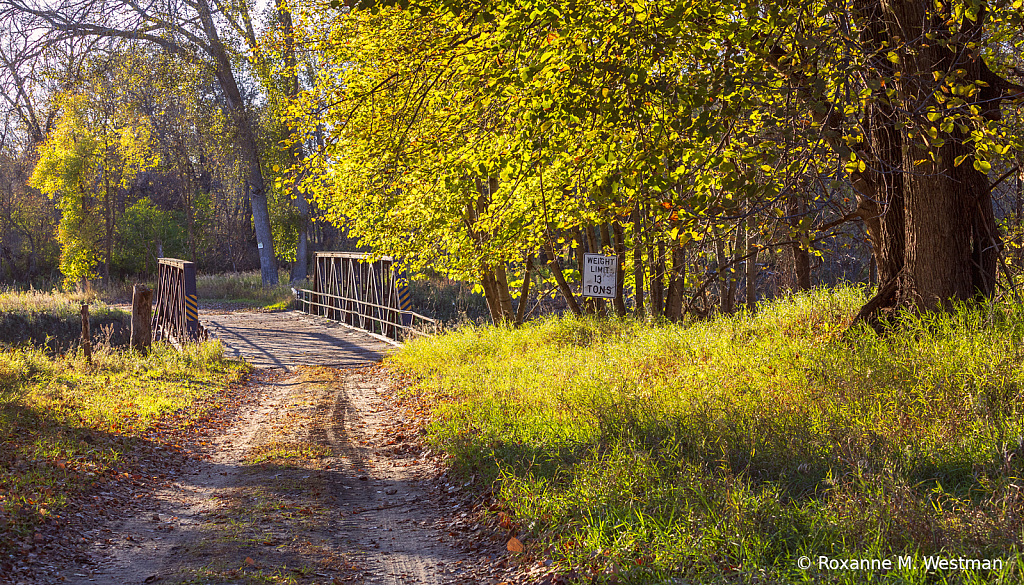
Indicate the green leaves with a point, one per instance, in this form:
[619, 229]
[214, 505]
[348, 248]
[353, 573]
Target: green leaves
[576, 111]
[92, 153]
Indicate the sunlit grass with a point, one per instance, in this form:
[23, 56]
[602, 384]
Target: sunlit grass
[66, 424]
[53, 319]
[724, 450]
[245, 289]
[15, 301]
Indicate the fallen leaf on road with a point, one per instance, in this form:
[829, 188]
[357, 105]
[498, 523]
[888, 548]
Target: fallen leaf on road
[514, 545]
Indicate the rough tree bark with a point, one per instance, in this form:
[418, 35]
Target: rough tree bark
[947, 208]
[929, 219]
[676, 284]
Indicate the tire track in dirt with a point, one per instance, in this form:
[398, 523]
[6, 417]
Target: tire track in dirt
[301, 488]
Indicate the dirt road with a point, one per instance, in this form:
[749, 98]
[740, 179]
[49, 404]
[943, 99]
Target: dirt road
[320, 478]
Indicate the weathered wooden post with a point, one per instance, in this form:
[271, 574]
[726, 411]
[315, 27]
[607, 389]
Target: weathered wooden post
[142, 319]
[86, 338]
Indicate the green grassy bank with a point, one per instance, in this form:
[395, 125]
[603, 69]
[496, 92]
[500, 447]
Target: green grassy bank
[66, 425]
[724, 451]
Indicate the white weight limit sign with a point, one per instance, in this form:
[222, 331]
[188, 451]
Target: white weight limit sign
[599, 274]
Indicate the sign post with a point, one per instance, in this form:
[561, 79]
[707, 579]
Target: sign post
[599, 274]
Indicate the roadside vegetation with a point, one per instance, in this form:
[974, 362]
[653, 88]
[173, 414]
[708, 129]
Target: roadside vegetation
[245, 289]
[724, 450]
[67, 425]
[53, 320]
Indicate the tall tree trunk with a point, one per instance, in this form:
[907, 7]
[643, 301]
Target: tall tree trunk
[729, 302]
[503, 295]
[586, 244]
[491, 295]
[493, 279]
[300, 267]
[581, 248]
[751, 266]
[889, 238]
[930, 220]
[604, 243]
[882, 206]
[594, 247]
[801, 257]
[721, 277]
[606, 240]
[620, 256]
[1018, 209]
[638, 262]
[524, 292]
[948, 223]
[291, 80]
[801, 267]
[108, 231]
[658, 278]
[677, 284]
[248, 147]
[563, 286]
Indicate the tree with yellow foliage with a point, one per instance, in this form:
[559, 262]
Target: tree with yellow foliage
[88, 163]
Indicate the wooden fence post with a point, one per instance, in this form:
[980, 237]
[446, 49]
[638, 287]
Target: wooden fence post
[86, 338]
[142, 319]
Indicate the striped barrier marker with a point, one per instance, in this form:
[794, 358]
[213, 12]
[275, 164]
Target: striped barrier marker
[192, 308]
[402, 282]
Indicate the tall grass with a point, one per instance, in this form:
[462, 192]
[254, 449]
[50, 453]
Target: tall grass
[447, 300]
[244, 288]
[52, 319]
[725, 450]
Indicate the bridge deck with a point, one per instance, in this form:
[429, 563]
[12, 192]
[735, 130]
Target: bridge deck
[290, 338]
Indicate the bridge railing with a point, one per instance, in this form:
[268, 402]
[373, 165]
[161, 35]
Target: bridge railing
[367, 295]
[176, 304]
